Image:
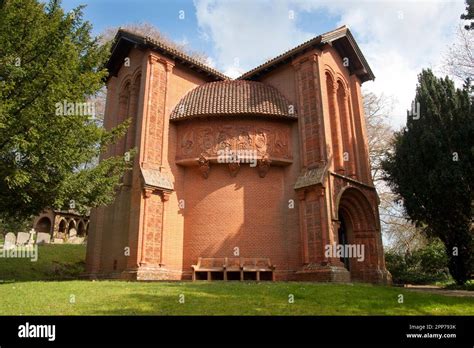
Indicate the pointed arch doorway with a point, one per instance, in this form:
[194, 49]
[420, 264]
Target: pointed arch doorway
[342, 235]
[358, 230]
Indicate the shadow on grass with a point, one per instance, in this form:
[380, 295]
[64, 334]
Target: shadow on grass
[272, 299]
[54, 263]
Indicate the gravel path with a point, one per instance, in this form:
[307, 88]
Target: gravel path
[439, 290]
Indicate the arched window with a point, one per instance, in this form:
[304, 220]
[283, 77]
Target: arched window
[331, 88]
[134, 93]
[132, 111]
[123, 114]
[81, 230]
[346, 129]
[62, 228]
[72, 226]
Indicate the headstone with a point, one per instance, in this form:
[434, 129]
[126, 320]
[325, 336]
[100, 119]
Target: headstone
[58, 241]
[72, 232]
[22, 238]
[31, 241]
[76, 240]
[43, 238]
[10, 241]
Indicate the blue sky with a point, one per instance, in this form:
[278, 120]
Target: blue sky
[398, 37]
[162, 13]
[165, 14]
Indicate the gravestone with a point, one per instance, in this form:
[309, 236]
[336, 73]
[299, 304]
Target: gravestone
[76, 240]
[58, 241]
[22, 238]
[10, 241]
[31, 241]
[72, 232]
[43, 238]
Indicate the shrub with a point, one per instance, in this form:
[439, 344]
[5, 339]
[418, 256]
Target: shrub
[425, 265]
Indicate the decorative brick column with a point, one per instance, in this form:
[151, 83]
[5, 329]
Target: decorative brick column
[310, 111]
[155, 189]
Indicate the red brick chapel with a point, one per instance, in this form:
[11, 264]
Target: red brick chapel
[309, 185]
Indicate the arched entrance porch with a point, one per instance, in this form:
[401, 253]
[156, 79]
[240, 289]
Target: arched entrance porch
[43, 225]
[359, 234]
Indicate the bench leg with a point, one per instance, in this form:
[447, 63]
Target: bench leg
[225, 275]
[194, 275]
[209, 277]
[258, 276]
[241, 276]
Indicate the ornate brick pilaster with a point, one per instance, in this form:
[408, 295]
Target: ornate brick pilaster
[154, 130]
[155, 120]
[309, 110]
[152, 227]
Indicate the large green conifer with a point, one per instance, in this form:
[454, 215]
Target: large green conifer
[431, 168]
[49, 57]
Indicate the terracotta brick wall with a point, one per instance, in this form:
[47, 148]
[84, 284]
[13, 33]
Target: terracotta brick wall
[246, 211]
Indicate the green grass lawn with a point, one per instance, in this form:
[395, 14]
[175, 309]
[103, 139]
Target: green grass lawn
[29, 296]
[55, 262]
[219, 298]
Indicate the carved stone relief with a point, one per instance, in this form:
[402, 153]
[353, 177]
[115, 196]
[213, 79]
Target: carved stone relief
[273, 141]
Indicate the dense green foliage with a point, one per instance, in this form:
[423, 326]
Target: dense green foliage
[431, 168]
[424, 266]
[13, 225]
[49, 57]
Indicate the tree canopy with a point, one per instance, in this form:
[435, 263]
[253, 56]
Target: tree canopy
[430, 168]
[50, 65]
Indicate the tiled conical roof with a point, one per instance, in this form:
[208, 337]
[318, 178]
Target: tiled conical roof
[237, 97]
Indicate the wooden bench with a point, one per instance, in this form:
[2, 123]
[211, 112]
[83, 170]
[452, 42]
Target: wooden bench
[230, 267]
[208, 265]
[233, 265]
[258, 266]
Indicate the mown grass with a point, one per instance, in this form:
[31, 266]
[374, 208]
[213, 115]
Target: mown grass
[220, 298]
[55, 262]
[24, 291]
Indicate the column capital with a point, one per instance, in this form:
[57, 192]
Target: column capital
[147, 192]
[165, 196]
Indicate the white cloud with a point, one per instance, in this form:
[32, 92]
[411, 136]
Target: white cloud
[210, 62]
[398, 38]
[247, 33]
[183, 41]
